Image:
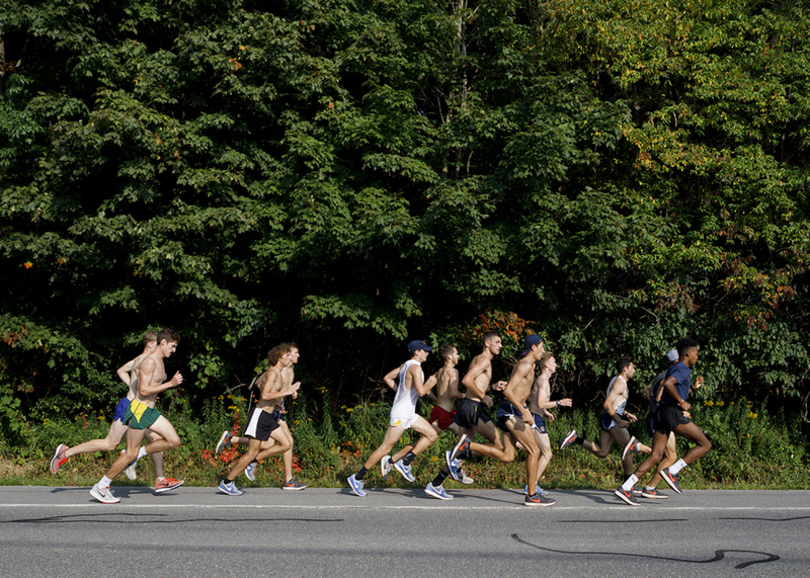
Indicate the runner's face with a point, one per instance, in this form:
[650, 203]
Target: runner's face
[420, 355]
[293, 355]
[495, 344]
[168, 347]
[454, 357]
[631, 371]
[551, 364]
[690, 358]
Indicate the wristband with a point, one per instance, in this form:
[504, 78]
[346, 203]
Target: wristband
[680, 403]
[558, 403]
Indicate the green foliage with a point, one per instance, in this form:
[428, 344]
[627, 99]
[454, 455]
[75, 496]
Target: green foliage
[353, 175]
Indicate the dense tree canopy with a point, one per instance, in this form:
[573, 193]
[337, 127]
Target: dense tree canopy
[354, 174]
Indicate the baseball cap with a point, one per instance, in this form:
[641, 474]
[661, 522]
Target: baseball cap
[415, 346]
[672, 355]
[530, 342]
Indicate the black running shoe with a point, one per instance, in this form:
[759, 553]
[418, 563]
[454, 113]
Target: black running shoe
[671, 480]
[628, 497]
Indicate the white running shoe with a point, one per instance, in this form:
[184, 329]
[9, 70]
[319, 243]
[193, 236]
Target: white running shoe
[104, 496]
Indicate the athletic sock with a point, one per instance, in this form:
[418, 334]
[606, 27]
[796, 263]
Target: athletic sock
[104, 483]
[649, 488]
[141, 453]
[677, 467]
[439, 480]
[579, 440]
[409, 457]
[361, 473]
[629, 483]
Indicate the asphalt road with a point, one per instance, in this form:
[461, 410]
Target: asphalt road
[61, 531]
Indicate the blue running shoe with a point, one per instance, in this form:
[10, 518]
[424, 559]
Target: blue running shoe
[250, 471]
[404, 470]
[230, 488]
[453, 465]
[539, 490]
[437, 492]
[356, 486]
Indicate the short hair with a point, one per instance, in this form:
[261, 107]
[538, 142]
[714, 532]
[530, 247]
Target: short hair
[489, 336]
[446, 350]
[623, 362]
[167, 334]
[148, 337]
[685, 345]
[280, 351]
[544, 359]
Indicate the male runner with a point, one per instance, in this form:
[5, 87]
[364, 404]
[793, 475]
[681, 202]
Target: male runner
[403, 416]
[262, 425]
[441, 418]
[141, 414]
[670, 418]
[653, 393]
[290, 351]
[539, 404]
[614, 420]
[516, 420]
[472, 414]
[129, 375]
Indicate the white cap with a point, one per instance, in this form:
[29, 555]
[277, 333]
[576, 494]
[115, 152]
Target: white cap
[673, 355]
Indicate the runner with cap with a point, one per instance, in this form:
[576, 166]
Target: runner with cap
[412, 386]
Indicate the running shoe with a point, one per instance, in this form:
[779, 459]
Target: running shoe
[570, 438]
[104, 496]
[632, 447]
[465, 479]
[59, 458]
[453, 466]
[671, 480]
[628, 497]
[636, 491]
[293, 484]
[224, 440]
[230, 488]
[462, 445]
[357, 486]
[386, 466]
[130, 471]
[167, 484]
[539, 490]
[250, 471]
[653, 494]
[404, 470]
[437, 492]
[538, 500]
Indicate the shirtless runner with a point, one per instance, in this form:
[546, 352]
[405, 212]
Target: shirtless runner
[539, 403]
[516, 420]
[128, 373]
[142, 414]
[280, 415]
[262, 425]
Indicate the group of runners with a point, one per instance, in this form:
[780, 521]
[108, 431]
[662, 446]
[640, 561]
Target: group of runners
[520, 420]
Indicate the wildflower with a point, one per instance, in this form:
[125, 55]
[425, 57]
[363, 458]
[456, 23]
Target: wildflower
[752, 415]
[28, 264]
[434, 458]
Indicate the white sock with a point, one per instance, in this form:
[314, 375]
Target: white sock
[104, 483]
[141, 453]
[677, 467]
[631, 481]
